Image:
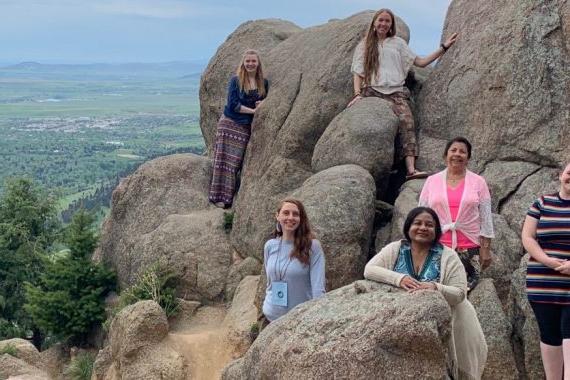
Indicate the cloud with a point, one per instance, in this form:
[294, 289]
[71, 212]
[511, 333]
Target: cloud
[163, 9]
[158, 30]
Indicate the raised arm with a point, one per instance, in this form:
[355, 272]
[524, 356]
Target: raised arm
[424, 61]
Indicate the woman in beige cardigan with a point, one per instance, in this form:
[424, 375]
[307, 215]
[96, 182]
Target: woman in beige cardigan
[421, 262]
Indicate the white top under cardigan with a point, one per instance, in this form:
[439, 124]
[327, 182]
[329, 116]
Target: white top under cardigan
[467, 345]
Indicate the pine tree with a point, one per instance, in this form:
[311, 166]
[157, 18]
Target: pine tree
[69, 299]
[28, 227]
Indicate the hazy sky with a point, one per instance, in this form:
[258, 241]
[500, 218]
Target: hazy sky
[82, 31]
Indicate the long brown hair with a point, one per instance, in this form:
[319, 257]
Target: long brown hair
[241, 73]
[303, 234]
[371, 63]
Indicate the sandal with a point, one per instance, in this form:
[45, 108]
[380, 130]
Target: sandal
[417, 175]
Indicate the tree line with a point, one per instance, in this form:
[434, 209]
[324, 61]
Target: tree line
[49, 287]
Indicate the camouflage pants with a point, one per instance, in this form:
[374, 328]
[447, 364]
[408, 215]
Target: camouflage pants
[408, 145]
[470, 260]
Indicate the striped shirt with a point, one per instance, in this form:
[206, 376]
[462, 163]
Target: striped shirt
[544, 284]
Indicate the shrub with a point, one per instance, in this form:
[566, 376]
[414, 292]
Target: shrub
[80, 367]
[253, 331]
[156, 283]
[9, 349]
[10, 330]
[228, 221]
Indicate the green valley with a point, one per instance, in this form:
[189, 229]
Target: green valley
[77, 128]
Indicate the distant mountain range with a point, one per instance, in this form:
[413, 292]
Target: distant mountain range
[97, 71]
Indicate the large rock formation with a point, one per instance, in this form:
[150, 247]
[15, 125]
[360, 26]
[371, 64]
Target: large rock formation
[526, 336]
[505, 83]
[25, 364]
[138, 349]
[515, 207]
[17, 369]
[497, 329]
[242, 315]
[342, 220]
[261, 35]
[369, 125]
[161, 212]
[362, 331]
[311, 84]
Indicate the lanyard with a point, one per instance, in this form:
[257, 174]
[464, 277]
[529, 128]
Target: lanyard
[281, 272]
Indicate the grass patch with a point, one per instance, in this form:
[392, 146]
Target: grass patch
[157, 283]
[9, 349]
[80, 367]
[228, 222]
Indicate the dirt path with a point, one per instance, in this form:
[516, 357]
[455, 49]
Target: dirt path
[202, 341]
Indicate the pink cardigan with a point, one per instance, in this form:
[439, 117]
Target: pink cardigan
[474, 217]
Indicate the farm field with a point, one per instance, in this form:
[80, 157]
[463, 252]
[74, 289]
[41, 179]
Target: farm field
[76, 129]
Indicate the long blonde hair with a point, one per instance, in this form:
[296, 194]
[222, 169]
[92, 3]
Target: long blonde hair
[371, 62]
[241, 73]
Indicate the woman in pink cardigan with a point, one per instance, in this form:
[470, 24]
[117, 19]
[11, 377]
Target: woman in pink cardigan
[462, 202]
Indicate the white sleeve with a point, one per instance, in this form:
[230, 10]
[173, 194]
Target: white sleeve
[379, 267]
[358, 59]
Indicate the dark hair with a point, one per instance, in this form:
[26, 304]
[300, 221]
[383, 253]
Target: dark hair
[413, 214]
[458, 139]
[303, 234]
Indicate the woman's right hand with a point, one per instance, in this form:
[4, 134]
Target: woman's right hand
[409, 283]
[354, 100]
[553, 262]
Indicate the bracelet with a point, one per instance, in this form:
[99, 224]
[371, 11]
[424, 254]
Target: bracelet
[443, 47]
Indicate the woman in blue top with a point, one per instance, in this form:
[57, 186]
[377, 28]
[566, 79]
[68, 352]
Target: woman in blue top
[246, 91]
[294, 262]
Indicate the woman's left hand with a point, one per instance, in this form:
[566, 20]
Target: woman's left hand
[451, 40]
[424, 286]
[485, 257]
[564, 268]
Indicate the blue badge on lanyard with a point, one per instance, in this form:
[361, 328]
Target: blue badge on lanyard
[279, 293]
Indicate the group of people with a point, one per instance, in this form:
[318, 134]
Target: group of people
[447, 237]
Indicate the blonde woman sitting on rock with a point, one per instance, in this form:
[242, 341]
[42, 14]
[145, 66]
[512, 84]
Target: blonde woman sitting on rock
[421, 263]
[380, 65]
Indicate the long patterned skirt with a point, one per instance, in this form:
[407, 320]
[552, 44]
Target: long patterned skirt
[231, 141]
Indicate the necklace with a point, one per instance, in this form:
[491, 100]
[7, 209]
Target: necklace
[455, 179]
